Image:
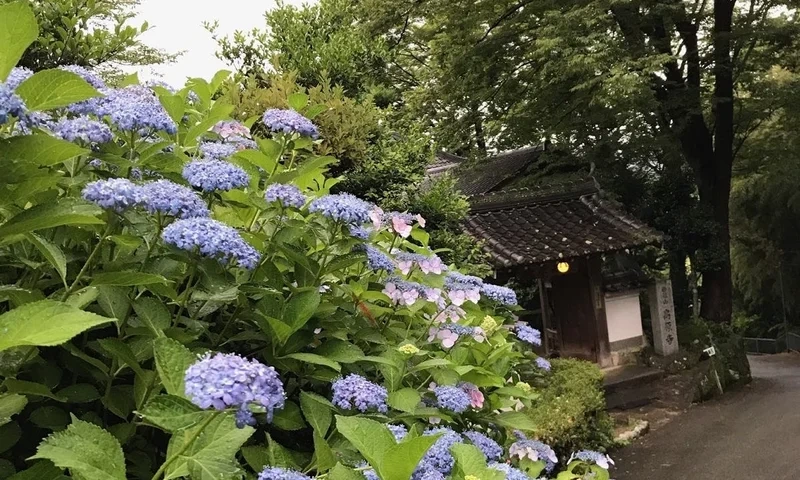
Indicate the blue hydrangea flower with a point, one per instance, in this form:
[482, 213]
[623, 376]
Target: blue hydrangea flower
[217, 150]
[169, 198]
[528, 334]
[223, 381]
[289, 121]
[403, 292]
[342, 207]
[211, 239]
[456, 278]
[426, 471]
[399, 431]
[242, 143]
[600, 459]
[356, 392]
[16, 76]
[210, 175]
[359, 232]
[10, 104]
[115, 194]
[438, 456]
[510, 472]
[133, 108]
[533, 450]
[452, 398]
[502, 295]
[286, 195]
[82, 129]
[543, 363]
[91, 78]
[376, 259]
[279, 473]
[489, 447]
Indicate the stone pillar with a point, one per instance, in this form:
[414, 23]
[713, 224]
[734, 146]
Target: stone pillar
[662, 316]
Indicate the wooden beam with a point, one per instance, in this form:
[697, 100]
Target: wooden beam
[603, 346]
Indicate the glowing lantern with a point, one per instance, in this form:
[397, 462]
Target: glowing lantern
[563, 267]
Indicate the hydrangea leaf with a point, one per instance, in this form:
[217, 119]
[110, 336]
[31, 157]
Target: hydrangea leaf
[18, 30]
[45, 323]
[127, 279]
[172, 360]
[325, 459]
[10, 405]
[340, 472]
[40, 149]
[300, 308]
[515, 420]
[289, 417]
[53, 214]
[317, 411]
[152, 313]
[86, 450]
[372, 439]
[212, 456]
[471, 461]
[402, 459]
[315, 359]
[298, 101]
[406, 400]
[51, 89]
[172, 413]
[42, 470]
[51, 253]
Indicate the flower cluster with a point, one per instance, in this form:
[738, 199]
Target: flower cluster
[475, 395]
[533, 450]
[16, 76]
[489, 447]
[403, 292]
[543, 363]
[427, 263]
[217, 150]
[91, 78]
[600, 459]
[211, 175]
[438, 457]
[133, 109]
[212, 239]
[223, 381]
[501, 295]
[449, 334]
[10, 104]
[510, 472]
[528, 334]
[286, 194]
[377, 260]
[359, 232]
[452, 398]
[116, 194]
[356, 392]
[289, 121]
[399, 431]
[462, 288]
[82, 129]
[169, 198]
[279, 473]
[230, 129]
[342, 207]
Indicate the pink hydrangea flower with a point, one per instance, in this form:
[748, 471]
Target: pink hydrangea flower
[400, 226]
[376, 215]
[432, 264]
[421, 221]
[460, 297]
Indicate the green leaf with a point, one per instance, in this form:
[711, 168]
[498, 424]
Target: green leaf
[83, 297]
[122, 353]
[340, 472]
[79, 393]
[172, 360]
[49, 417]
[317, 411]
[114, 301]
[67, 211]
[300, 308]
[212, 456]
[471, 461]
[86, 450]
[45, 323]
[515, 420]
[174, 105]
[127, 278]
[325, 458]
[51, 253]
[370, 438]
[172, 413]
[272, 151]
[56, 88]
[400, 461]
[40, 149]
[18, 30]
[340, 351]
[289, 418]
[315, 359]
[256, 457]
[279, 455]
[315, 110]
[432, 363]
[10, 405]
[130, 79]
[405, 400]
[43, 470]
[153, 313]
[298, 101]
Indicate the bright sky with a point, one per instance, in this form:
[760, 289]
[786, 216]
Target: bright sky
[177, 25]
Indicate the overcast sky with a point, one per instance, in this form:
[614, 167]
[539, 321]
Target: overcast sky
[178, 25]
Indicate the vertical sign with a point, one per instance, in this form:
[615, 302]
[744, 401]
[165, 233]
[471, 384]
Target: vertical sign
[662, 315]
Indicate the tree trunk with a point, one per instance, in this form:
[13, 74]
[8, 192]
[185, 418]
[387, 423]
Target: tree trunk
[680, 284]
[480, 136]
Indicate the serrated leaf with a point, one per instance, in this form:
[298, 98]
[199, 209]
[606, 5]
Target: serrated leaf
[279, 455]
[79, 393]
[56, 88]
[300, 308]
[405, 400]
[41, 470]
[45, 323]
[114, 301]
[298, 101]
[153, 313]
[49, 417]
[127, 279]
[317, 411]
[172, 413]
[340, 351]
[10, 405]
[289, 418]
[515, 420]
[18, 30]
[51, 253]
[400, 461]
[174, 105]
[370, 438]
[340, 472]
[67, 211]
[212, 456]
[122, 353]
[315, 359]
[432, 363]
[325, 459]
[86, 450]
[172, 360]
[40, 149]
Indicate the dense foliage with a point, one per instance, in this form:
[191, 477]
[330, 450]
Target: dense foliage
[182, 298]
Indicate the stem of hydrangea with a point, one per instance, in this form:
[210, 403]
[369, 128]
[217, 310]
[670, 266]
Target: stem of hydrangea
[88, 263]
[280, 155]
[291, 161]
[186, 445]
[187, 293]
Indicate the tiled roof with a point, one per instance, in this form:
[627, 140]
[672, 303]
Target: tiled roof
[537, 225]
[444, 161]
[492, 172]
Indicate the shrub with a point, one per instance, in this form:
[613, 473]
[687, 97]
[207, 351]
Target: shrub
[571, 413]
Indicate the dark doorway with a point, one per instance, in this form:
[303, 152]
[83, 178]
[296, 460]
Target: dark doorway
[574, 313]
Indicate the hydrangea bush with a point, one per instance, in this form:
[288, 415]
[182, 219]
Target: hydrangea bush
[182, 300]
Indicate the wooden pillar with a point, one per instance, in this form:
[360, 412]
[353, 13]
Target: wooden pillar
[603, 347]
[544, 304]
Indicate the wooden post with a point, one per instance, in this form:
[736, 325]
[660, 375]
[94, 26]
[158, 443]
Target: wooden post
[545, 315]
[599, 302]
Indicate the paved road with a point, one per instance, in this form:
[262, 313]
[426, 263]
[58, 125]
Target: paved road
[753, 434]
